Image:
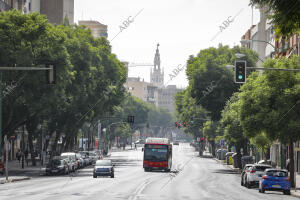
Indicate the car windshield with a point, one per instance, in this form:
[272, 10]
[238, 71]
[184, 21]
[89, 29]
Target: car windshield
[277, 173]
[261, 168]
[55, 163]
[103, 163]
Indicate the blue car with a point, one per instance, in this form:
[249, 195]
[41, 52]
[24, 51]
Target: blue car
[275, 180]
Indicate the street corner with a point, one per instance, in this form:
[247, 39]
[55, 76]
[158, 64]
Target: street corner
[295, 193]
[14, 179]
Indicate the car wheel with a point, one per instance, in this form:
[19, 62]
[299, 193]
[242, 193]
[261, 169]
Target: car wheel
[94, 176]
[262, 190]
[286, 192]
[247, 184]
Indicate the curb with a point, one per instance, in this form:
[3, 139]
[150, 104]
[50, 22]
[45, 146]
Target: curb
[10, 180]
[295, 194]
[228, 166]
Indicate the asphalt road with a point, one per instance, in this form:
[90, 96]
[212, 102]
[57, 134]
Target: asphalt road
[192, 177]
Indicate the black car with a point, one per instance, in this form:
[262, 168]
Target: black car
[57, 166]
[103, 168]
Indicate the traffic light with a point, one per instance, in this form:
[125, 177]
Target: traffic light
[240, 71]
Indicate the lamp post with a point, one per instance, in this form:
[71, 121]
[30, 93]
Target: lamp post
[251, 40]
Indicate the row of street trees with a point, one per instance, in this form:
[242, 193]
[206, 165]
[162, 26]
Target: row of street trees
[89, 78]
[262, 111]
[89, 85]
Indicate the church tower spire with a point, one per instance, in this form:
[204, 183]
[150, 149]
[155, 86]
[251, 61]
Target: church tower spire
[157, 75]
[157, 58]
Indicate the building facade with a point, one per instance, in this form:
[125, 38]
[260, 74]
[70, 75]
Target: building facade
[141, 89]
[57, 10]
[97, 29]
[154, 92]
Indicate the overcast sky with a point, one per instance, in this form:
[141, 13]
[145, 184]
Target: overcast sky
[181, 27]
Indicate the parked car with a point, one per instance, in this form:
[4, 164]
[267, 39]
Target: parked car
[85, 158]
[71, 159]
[244, 173]
[93, 156]
[103, 168]
[57, 166]
[140, 141]
[80, 160]
[275, 180]
[255, 174]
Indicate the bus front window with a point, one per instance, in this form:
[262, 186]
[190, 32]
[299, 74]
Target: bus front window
[156, 154]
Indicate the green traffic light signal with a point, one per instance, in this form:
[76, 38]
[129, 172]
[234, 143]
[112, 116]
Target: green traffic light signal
[240, 71]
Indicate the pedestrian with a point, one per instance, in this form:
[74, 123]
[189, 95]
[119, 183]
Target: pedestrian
[18, 155]
[135, 146]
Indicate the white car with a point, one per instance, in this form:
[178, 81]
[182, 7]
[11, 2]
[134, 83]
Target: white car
[255, 174]
[71, 160]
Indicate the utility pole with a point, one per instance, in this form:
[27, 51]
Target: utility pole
[6, 157]
[23, 147]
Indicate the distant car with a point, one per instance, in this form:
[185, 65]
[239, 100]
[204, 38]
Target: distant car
[57, 166]
[71, 159]
[93, 156]
[141, 141]
[255, 174]
[244, 173]
[175, 143]
[103, 168]
[275, 180]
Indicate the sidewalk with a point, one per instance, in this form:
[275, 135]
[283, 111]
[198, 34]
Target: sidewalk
[16, 173]
[297, 193]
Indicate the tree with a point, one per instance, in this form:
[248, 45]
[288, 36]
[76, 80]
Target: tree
[269, 104]
[211, 82]
[233, 132]
[210, 132]
[284, 14]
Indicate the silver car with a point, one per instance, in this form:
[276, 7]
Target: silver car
[103, 168]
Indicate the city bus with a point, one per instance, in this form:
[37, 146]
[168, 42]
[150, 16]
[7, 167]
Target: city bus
[157, 154]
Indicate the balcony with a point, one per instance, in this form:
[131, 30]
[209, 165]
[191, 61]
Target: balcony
[4, 6]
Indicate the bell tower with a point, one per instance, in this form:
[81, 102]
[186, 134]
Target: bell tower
[157, 74]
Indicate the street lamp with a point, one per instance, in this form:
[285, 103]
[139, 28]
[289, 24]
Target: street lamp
[247, 41]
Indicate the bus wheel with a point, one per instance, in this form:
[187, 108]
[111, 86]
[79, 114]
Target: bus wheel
[167, 170]
[146, 169]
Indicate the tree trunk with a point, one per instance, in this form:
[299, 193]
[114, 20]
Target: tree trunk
[32, 154]
[213, 148]
[239, 157]
[292, 169]
[54, 145]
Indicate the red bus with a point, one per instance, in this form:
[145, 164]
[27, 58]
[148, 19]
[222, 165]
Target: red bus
[157, 154]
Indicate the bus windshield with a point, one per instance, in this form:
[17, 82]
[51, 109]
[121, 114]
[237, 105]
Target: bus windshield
[156, 153]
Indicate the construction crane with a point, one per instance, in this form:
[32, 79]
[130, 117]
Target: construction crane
[140, 64]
